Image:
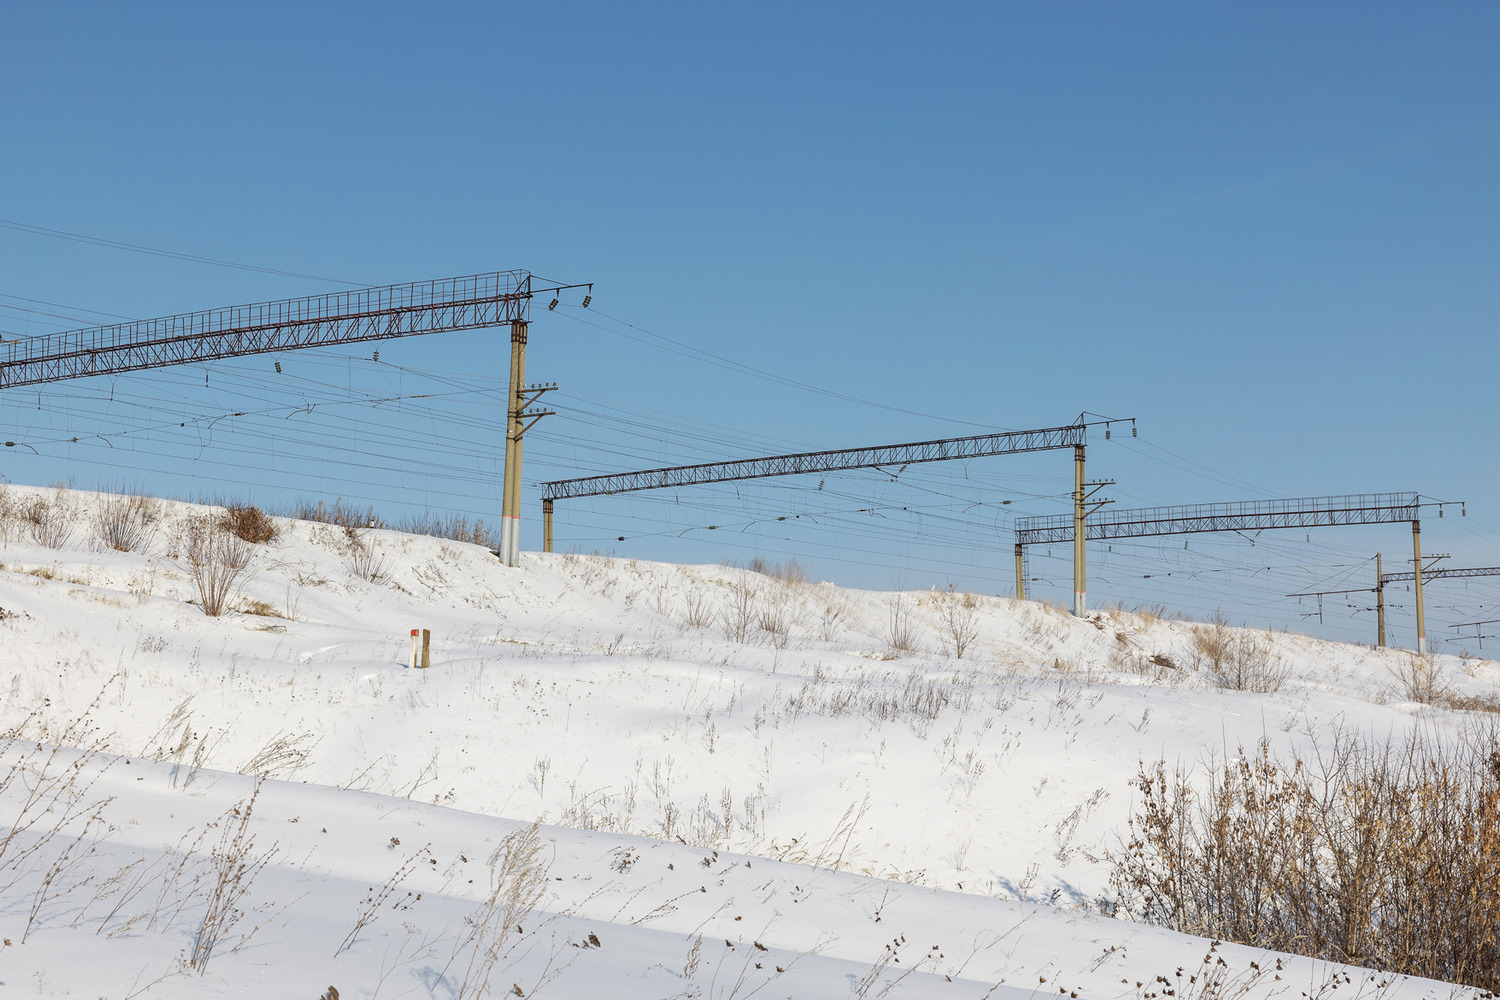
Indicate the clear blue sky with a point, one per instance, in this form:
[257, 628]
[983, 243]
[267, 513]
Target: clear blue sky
[1266, 231]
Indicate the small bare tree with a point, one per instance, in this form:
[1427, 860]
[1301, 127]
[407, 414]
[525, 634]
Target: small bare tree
[959, 617]
[216, 560]
[901, 635]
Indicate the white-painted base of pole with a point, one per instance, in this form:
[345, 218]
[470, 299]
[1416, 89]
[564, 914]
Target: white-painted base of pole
[510, 541]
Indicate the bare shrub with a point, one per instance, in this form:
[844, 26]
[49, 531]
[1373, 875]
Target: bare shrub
[50, 522]
[335, 513]
[833, 611]
[697, 609]
[900, 633]
[452, 525]
[361, 557]
[249, 523]
[1239, 660]
[1420, 679]
[737, 616]
[958, 615]
[780, 616]
[216, 560]
[127, 523]
[518, 878]
[1385, 855]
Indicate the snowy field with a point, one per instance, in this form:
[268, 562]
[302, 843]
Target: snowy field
[745, 786]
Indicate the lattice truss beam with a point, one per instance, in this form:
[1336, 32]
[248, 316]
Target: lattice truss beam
[382, 313]
[944, 450]
[1250, 515]
[1428, 575]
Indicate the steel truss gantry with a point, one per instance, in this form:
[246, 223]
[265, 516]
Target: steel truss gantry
[943, 450]
[1249, 515]
[407, 310]
[497, 298]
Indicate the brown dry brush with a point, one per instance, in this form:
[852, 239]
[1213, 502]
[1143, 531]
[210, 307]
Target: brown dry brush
[1377, 854]
[249, 523]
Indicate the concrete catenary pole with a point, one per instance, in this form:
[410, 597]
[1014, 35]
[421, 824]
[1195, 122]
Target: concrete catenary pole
[1020, 573]
[546, 524]
[1379, 604]
[510, 516]
[1416, 551]
[1080, 601]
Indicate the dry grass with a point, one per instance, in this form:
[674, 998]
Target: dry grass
[518, 880]
[1239, 660]
[361, 557]
[127, 523]
[456, 526]
[50, 522]
[790, 571]
[1385, 855]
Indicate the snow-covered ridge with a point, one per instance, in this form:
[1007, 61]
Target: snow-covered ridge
[815, 760]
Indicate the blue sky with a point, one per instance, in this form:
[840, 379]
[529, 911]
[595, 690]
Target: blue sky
[1265, 231]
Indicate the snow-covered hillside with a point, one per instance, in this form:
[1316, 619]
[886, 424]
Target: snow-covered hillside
[746, 785]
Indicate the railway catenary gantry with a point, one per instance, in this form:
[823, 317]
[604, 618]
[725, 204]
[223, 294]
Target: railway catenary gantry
[878, 456]
[493, 299]
[1248, 515]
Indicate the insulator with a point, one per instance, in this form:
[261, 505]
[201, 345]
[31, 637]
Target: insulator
[278, 368]
[552, 305]
[586, 300]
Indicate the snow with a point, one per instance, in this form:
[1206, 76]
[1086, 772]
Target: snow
[874, 822]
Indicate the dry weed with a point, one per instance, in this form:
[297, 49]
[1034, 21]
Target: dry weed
[1385, 855]
[518, 879]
